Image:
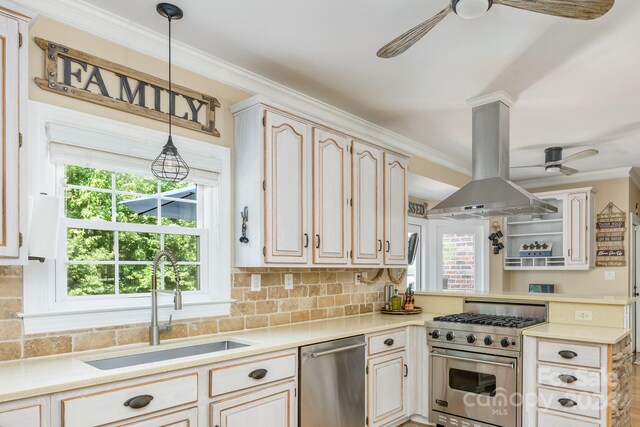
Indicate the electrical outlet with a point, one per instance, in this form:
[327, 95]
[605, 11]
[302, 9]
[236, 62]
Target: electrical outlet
[359, 276]
[585, 315]
[609, 275]
[255, 282]
[288, 281]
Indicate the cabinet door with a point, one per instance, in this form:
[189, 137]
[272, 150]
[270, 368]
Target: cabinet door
[330, 198]
[183, 418]
[577, 233]
[368, 208]
[9, 128]
[22, 417]
[386, 388]
[395, 210]
[287, 189]
[273, 406]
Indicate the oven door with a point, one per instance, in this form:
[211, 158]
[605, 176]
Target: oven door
[480, 387]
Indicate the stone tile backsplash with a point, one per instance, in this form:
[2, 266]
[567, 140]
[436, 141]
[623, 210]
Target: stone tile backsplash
[317, 294]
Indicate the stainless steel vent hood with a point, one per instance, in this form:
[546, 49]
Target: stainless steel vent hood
[490, 193]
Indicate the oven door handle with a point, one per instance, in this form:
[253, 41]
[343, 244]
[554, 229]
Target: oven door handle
[469, 359]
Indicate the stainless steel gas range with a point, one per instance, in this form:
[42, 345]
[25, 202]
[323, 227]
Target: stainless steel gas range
[476, 363]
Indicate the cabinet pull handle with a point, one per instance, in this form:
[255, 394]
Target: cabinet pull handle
[567, 354]
[258, 374]
[139, 402]
[567, 403]
[317, 241]
[306, 240]
[379, 245]
[388, 246]
[406, 370]
[389, 342]
[567, 378]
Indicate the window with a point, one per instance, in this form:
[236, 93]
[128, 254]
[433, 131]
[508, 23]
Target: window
[115, 224]
[416, 271]
[115, 216]
[458, 256]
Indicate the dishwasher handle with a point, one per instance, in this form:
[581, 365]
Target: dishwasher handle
[336, 350]
[469, 359]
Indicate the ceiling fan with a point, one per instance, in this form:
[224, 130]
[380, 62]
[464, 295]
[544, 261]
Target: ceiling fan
[553, 161]
[472, 9]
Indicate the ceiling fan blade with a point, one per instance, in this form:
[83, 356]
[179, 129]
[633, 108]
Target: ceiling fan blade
[403, 42]
[581, 155]
[528, 166]
[565, 170]
[574, 9]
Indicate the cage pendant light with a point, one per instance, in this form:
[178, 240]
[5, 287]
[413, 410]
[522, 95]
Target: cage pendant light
[169, 165]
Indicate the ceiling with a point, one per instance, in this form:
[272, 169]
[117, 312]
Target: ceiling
[428, 189]
[576, 82]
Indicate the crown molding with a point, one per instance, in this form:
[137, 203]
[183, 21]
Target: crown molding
[104, 24]
[602, 175]
[500, 95]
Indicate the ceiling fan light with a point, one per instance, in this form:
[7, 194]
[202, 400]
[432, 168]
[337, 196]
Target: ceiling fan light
[552, 169]
[471, 9]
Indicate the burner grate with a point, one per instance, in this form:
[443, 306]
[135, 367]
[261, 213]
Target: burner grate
[517, 322]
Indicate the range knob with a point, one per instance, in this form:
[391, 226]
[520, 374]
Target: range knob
[488, 340]
[471, 338]
[450, 336]
[505, 342]
[435, 334]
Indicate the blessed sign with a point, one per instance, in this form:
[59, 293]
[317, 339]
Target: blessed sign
[80, 75]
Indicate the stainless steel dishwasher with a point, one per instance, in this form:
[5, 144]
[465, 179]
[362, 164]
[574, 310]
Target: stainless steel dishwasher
[332, 383]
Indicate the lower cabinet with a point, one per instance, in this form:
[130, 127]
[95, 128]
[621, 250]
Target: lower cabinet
[25, 413]
[273, 406]
[183, 418]
[386, 388]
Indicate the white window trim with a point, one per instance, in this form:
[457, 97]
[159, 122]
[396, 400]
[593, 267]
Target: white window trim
[422, 268]
[434, 274]
[46, 122]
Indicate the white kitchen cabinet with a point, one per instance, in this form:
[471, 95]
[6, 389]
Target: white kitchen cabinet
[287, 189]
[386, 394]
[25, 413]
[368, 204]
[13, 91]
[570, 233]
[395, 209]
[273, 406]
[331, 196]
[313, 196]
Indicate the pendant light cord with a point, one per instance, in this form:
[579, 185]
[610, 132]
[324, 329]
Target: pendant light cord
[170, 89]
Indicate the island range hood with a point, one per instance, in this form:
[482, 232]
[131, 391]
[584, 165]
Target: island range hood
[490, 193]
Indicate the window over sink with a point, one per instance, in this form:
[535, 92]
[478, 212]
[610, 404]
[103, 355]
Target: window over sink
[115, 216]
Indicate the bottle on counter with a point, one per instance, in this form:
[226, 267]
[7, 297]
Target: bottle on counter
[396, 301]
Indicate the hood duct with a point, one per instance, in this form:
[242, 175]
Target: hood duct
[490, 193]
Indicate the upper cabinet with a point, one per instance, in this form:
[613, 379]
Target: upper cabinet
[395, 208]
[13, 92]
[314, 195]
[368, 204]
[561, 241]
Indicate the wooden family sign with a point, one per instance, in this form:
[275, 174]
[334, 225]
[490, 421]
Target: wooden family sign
[86, 77]
[610, 233]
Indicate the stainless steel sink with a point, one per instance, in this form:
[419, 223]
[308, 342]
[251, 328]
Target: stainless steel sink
[160, 355]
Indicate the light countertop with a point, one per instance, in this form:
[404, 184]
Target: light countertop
[591, 334]
[604, 300]
[44, 375]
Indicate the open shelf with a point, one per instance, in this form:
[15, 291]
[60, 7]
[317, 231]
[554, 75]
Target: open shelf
[538, 221]
[554, 233]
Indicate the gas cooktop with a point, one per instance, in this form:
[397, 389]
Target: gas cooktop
[504, 321]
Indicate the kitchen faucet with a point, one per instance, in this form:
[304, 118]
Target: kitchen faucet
[155, 329]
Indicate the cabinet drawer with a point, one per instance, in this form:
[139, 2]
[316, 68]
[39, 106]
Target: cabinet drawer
[587, 405]
[546, 419]
[183, 418]
[22, 417]
[110, 406]
[226, 379]
[569, 354]
[569, 378]
[387, 341]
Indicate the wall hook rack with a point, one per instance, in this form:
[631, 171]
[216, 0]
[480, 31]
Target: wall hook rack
[245, 218]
